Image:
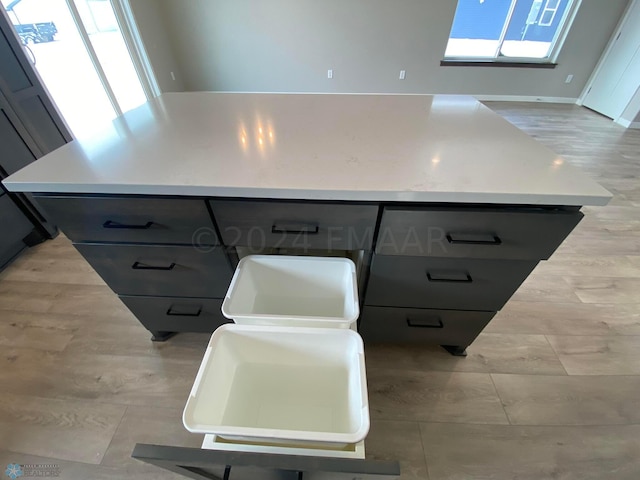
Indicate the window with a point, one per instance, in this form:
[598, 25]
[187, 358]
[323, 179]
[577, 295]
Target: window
[509, 30]
[81, 51]
[549, 13]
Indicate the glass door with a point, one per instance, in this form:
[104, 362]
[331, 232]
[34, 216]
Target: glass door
[79, 51]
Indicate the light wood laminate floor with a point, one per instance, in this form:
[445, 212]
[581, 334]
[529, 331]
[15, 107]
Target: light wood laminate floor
[550, 390]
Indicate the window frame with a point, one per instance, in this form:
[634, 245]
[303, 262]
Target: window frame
[547, 9]
[500, 60]
[132, 38]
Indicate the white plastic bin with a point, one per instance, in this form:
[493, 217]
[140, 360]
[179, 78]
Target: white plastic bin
[295, 291]
[281, 385]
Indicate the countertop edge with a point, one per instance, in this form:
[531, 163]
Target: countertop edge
[333, 195]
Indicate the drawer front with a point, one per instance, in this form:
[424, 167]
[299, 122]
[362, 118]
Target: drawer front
[160, 270]
[131, 220]
[176, 314]
[476, 233]
[295, 225]
[13, 224]
[409, 325]
[455, 283]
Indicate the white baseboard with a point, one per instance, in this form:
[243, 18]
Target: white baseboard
[525, 98]
[627, 123]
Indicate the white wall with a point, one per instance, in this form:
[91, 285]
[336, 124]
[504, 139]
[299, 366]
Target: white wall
[153, 30]
[288, 45]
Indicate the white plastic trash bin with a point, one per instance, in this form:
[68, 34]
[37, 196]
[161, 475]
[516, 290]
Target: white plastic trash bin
[292, 373]
[284, 385]
[295, 291]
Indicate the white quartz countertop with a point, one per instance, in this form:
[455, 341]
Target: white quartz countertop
[399, 148]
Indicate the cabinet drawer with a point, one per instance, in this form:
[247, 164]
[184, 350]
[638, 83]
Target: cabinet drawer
[176, 314]
[455, 283]
[13, 224]
[325, 226]
[532, 234]
[131, 220]
[409, 325]
[160, 270]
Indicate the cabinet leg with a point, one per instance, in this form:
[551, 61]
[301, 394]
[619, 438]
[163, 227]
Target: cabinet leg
[157, 336]
[34, 238]
[455, 350]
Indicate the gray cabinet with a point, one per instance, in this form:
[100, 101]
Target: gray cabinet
[176, 314]
[302, 225]
[14, 153]
[14, 226]
[30, 127]
[440, 273]
[164, 270]
[426, 326]
[26, 96]
[474, 232]
[160, 255]
[132, 220]
[451, 283]
[170, 259]
[204, 464]
[17, 150]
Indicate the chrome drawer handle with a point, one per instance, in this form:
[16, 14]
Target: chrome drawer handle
[492, 240]
[112, 224]
[144, 266]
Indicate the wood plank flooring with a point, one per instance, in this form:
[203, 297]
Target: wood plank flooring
[550, 390]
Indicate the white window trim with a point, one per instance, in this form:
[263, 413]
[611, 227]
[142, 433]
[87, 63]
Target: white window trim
[561, 34]
[547, 9]
[133, 41]
[557, 42]
[505, 27]
[131, 36]
[84, 36]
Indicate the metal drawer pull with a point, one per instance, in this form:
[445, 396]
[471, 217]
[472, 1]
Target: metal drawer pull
[144, 266]
[178, 313]
[295, 228]
[428, 322]
[467, 239]
[450, 277]
[112, 224]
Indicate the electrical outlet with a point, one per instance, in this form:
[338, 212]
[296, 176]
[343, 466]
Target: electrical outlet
[402, 74]
[330, 73]
[568, 79]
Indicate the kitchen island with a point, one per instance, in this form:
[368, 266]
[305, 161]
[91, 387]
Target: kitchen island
[445, 206]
